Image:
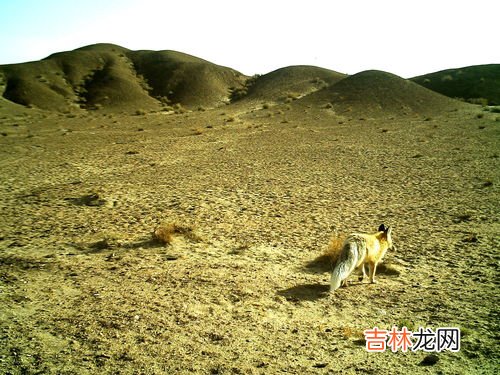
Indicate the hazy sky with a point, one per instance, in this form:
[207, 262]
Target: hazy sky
[405, 37]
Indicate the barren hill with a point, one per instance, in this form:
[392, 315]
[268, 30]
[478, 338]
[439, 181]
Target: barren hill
[113, 77]
[376, 93]
[474, 83]
[185, 79]
[290, 82]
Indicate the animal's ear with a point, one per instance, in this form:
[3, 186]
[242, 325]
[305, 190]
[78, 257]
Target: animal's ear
[388, 230]
[381, 228]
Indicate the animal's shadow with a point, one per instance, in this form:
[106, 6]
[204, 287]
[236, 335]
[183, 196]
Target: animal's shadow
[321, 265]
[305, 292]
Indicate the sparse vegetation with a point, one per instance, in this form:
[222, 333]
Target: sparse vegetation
[319, 82]
[409, 323]
[179, 109]
[238, 93]
[479, 101]
[327, 259]
[91, 283]
[477, 84]
[165, 101]
[335, 246]
[352, 333]
[291, 96]
[165, 232]
[97, 74]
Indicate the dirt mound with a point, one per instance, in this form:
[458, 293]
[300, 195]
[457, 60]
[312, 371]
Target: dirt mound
[112, 77]
[289, 83]
[90, 77]
[37, 84]
[375, 93]
[480, 83]
[185, 79]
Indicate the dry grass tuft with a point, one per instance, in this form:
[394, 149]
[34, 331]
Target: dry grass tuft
[352, 333]
[325, 261]
[335, 247]
[165, 232]
[197, 131]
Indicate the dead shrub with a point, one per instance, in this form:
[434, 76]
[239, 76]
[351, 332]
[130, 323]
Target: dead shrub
[165, 232]
[326, 261]
[350, 333]
[334, 248]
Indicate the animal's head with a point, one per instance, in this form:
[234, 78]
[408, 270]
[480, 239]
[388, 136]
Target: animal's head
[387, 231]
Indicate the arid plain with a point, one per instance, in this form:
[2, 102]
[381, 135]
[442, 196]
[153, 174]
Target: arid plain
[257, 179]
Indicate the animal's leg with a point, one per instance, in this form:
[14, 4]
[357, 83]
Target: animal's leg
[362, 276]
[373, 269]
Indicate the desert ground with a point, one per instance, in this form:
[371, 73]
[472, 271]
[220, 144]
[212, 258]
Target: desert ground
[252, 192]
[259, 192]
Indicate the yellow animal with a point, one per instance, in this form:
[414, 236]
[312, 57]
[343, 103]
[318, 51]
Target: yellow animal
[358, 250]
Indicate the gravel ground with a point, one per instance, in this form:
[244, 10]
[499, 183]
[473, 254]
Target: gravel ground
[259, 192]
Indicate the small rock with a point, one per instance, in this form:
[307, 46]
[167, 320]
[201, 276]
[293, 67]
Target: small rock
[429, 360]
[320, 365]
[91, 200]
[472, 238]
[111, 204]
[100, 245]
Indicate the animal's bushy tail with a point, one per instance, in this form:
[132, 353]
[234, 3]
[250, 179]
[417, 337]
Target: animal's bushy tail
[352, 250]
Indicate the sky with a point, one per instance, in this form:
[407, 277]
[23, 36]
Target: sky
[405, 37]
